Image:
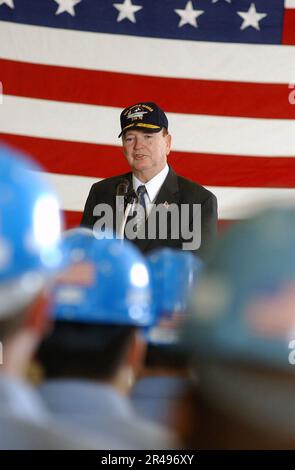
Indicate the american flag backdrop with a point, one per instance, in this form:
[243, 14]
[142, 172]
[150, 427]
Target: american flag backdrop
[223, 70]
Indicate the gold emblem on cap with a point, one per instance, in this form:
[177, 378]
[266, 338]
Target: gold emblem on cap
[166, 204]
[136, 114]
[137, 111]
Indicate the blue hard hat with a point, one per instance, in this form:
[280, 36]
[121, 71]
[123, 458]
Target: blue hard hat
[30, 224]
[174, 274]
[74, 241]
[107, 283]
[244, 307]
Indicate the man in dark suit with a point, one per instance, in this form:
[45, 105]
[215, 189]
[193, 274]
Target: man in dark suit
[164, 209]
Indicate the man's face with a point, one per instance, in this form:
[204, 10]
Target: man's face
[146, 153]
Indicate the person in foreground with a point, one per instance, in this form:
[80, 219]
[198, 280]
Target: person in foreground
[30, 256]
[174, 276]
[95, 350]
[240, 334]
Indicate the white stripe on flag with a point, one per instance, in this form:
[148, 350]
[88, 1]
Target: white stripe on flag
[191, 133]
[289, 3]
[72, 198]
[233, 203]
[122, 53]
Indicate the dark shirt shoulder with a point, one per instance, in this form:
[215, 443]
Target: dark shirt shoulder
[190, 190]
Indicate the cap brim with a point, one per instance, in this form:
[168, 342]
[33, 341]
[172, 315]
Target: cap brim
[139, 126]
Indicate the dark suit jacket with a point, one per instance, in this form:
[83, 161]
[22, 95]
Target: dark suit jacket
[175, 190]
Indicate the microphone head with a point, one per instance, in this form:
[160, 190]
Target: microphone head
[122, 187]
[131, 196]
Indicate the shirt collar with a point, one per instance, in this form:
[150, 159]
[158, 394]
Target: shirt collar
[152, 186]
[20, 399]
[86, 396]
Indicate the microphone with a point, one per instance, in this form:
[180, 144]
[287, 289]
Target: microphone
[122, 187]
[130, 197]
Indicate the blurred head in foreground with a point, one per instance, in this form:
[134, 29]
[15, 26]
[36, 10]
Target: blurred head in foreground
[240, 334]
[29, 257]
[99, 306]
[174, 274]
[96, 348]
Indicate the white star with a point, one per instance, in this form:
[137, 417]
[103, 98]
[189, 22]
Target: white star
[215, 1]
[66, 6]
[251, 17]
[9, 3]
[127, 10]
[189, 15]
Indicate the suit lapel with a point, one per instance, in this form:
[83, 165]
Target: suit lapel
[169, 189]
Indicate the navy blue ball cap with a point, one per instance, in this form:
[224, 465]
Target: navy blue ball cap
[148, 117]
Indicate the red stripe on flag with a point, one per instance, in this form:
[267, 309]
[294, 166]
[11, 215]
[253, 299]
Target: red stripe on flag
[72, 219]
[288, 36]
[71, 158]
[206, 97]
[83, 159]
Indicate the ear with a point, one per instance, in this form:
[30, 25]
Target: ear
[136, 352]
[37, 317]
[168, 143]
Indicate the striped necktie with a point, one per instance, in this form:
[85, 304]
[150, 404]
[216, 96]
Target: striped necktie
[141, 190]
[141, 214]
